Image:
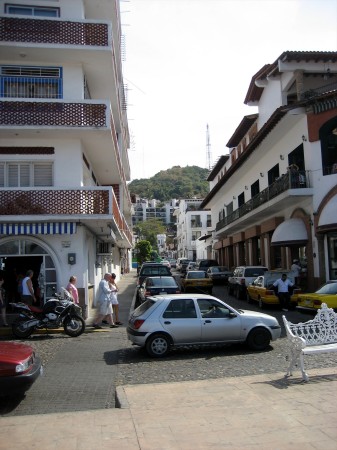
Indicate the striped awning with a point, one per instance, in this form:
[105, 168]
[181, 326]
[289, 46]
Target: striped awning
[37, 228]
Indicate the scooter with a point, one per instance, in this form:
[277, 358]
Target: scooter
[55, 313]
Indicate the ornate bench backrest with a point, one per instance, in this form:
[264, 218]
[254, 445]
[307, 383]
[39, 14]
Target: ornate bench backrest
[320, 330]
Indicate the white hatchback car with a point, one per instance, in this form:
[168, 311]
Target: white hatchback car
[177, 320]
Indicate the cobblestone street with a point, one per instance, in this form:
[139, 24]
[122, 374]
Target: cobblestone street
[82, 373]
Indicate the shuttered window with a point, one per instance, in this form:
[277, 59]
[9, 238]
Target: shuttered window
[26, 174]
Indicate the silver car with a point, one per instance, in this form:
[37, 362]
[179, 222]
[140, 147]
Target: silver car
[167, 321]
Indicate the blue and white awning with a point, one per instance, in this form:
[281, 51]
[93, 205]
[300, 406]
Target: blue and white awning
[37, 228]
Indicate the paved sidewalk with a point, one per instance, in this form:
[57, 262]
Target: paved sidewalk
[259, 412]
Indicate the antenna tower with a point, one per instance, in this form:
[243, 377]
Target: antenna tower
[208, 149]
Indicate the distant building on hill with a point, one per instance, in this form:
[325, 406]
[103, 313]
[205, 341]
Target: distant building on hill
[144, 209]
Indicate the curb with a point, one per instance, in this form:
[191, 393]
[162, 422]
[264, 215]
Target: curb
[121, 399]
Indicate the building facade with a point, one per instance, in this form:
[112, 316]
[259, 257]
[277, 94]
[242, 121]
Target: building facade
[64, 203]
[193, 226]
[274, 196]
[144, 209]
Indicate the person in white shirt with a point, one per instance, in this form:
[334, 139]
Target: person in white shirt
[28, 295]
[104, 302]
[282, 285]
[296, 268]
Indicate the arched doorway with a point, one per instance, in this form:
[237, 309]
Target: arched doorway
[21, 254]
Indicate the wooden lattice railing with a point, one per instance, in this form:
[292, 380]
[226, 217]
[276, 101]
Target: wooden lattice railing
[43, 31]
[19, 113]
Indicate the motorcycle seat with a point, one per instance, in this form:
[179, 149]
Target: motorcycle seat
[35, 309]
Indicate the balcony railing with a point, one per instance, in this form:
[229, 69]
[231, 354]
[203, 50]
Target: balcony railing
[60, 32]
[52, 113]
[297, 180]
[71, 202]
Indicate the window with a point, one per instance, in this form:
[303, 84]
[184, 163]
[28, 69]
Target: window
[26, 174]
[180, 309]
[39, 11]
[328, 138]
[31, 82]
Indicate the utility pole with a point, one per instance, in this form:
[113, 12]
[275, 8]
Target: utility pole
[208, 149]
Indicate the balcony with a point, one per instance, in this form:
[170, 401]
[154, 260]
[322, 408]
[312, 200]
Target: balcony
[58, 32]
[97, 208]
[295, 187]
[52, 114]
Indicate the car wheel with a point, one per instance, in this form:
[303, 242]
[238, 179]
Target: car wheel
[258, 339]
[158, 345]
[261, 304]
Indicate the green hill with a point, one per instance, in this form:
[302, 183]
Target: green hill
[177, 182]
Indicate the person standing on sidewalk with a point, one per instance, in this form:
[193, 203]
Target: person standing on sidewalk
[282, 285]
[28, 295]
[104, 302]
[72, 289]
[114, 300]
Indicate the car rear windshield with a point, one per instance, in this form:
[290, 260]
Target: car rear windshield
[196, 275]
[155, 270]
[254, 271]
[143, 307]
[162, 281]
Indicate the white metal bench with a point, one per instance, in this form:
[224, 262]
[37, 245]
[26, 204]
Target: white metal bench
[318, 335]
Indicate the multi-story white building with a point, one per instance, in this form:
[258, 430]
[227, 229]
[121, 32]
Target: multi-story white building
[274, 197]
[194, 225]
[64, 203]
[144, 209]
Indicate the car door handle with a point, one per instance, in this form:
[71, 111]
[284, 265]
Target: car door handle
[167, 322]
[208, 321]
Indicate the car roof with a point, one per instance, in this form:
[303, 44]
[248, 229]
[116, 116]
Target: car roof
[168, 297]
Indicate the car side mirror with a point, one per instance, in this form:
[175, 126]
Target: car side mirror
[232, 315]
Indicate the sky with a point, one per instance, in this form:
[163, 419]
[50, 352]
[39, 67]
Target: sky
[189, 64]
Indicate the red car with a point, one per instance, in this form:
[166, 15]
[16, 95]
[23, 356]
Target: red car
[19, 368]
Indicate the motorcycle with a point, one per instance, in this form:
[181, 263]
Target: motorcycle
[56, 312]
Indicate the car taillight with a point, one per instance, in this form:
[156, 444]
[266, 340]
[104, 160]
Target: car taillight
[147, 293]
[317, 302]
[138, 323]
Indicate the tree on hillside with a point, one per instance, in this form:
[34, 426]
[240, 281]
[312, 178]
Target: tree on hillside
[177, 182]
[149, 229]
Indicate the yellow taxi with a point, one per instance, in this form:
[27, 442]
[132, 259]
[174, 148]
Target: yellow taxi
[261, 290]
[325, 294]
[197, 281]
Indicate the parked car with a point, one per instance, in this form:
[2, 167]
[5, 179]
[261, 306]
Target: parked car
[219, 274]
[157, 285]
[19, 368]
[204, 264]
[242, 276]
[166, 262]
[325, 294]
[151, 270]
[191, 266]
[261, 290]
[197, 281]
[164, 322]
[173, 263]
[180, 261]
